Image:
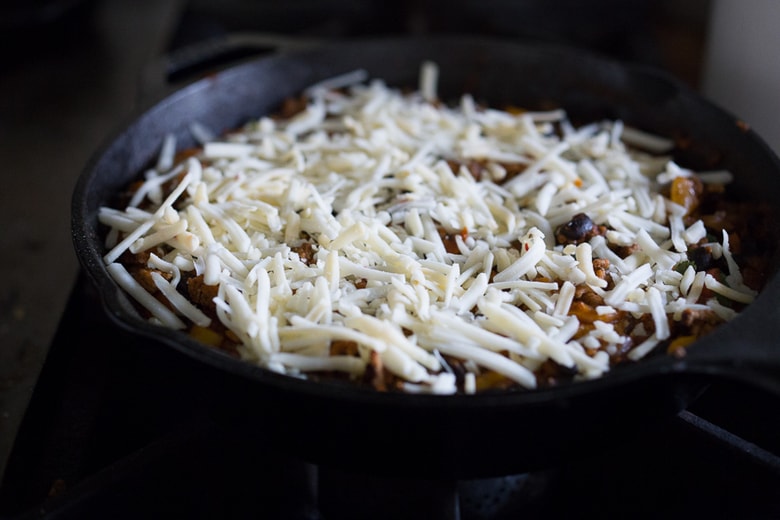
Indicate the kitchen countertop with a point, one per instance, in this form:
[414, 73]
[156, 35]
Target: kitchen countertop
[67, 84]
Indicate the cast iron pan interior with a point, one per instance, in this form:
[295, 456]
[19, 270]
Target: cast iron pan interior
[456, 436]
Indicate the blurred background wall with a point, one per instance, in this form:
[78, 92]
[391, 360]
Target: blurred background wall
[741, 63]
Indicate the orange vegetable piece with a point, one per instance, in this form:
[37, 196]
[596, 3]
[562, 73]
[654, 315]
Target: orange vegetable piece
[686, 191]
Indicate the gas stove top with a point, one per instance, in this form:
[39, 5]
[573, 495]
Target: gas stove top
[110, 434]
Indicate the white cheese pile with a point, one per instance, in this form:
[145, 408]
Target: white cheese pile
[361, 174]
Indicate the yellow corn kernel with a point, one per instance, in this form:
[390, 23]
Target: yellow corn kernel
[490, 379]
[680, 342]
[206, 336]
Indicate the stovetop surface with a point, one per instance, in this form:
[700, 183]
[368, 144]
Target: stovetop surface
[122, 428]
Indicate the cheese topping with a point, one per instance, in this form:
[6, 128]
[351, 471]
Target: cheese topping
[415, 255]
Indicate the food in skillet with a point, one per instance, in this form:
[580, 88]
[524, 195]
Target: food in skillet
[383, 237]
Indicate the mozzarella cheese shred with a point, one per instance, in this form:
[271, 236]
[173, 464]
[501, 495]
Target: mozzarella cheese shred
[363, 220]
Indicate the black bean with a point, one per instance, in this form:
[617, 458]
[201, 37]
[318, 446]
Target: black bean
[702, 257]
[578, 229]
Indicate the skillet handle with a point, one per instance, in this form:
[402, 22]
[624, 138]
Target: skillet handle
[169, 71]
[746, 350]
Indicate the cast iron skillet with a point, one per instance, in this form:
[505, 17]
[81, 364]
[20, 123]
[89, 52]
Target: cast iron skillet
[452, 436]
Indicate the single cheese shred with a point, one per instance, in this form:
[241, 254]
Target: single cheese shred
[383, 237]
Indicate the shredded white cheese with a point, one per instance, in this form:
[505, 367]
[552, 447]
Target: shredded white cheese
[361, 178]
